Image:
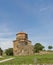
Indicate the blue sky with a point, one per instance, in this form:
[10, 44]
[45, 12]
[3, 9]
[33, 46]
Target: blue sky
[34, 17]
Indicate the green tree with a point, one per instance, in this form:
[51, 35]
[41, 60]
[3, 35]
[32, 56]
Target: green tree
[50, 47]
[38, 47]
[9, 51]
[1, 51]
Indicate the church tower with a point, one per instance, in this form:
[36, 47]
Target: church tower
[22, 46]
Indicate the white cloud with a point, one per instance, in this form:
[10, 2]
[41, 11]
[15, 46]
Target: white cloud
[43, 9]
[6, 39]
[4, 44]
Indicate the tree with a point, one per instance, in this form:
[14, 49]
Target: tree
[1, 51]
[38, 47]
[9, 51]
[50, 47]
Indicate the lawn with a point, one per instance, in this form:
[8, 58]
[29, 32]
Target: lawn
[40, 59]
[4, 57]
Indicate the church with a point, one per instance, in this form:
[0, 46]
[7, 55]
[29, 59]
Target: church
[22, 46]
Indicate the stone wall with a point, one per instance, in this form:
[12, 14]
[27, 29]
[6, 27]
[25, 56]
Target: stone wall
[22, 46]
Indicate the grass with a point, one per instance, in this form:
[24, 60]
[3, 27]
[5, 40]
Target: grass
[41, 59]
[4, 57]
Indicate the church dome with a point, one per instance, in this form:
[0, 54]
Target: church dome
[21, 36]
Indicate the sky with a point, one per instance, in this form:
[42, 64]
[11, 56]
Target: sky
[35, 17]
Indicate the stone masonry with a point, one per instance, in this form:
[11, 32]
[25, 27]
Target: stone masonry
[22, 46]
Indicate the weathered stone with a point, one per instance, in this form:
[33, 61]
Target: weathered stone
[22, 46]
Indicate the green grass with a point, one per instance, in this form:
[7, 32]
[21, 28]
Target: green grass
[47, 58]
[4, 57]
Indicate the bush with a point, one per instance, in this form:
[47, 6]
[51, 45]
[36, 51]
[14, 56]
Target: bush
[38, 47]
[1, 51]
[50, 47]
[9, 51]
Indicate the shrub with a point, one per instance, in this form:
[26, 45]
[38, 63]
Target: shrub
[38, 47]
[9, 51]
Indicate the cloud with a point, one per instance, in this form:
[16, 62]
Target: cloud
[38, 16]
[4, 44]
[43, 9]
[6, 37]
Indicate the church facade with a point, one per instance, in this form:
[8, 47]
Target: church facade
[22, 46]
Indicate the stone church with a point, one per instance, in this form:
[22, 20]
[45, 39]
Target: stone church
[22, 46]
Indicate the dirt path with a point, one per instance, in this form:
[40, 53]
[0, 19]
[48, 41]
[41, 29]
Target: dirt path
[6, 60]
